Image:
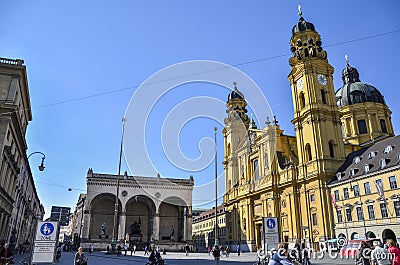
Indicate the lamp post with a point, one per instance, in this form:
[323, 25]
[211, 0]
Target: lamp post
[13, 237]
[115, 230]
[362, 210]
[216, 243]
[41, 166]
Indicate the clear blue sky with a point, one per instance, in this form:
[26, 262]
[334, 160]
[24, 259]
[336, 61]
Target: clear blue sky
[74, 49]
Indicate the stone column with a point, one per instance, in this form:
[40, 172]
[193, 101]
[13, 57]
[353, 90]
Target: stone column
[370, 125]
[185, 227]
[390, 125]
[378, 124]
[86, 225]
[121, 226]
[189, 224]
[1, 222]
[354, 125]
[156, 226]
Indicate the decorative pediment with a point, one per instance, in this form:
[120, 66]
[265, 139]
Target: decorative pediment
[348, 205]
[380, 199]
[394, 197]
[313, 209]
[357, 203]
[369, 201]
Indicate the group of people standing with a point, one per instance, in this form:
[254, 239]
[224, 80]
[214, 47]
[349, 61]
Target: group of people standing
[389, 254]
[125, 248]
[218, 251]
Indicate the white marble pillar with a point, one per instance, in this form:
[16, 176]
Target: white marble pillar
[156, 226]
[189, 221]
[185, 225]
[121, 226]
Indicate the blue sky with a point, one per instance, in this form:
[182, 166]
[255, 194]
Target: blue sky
[76, 49]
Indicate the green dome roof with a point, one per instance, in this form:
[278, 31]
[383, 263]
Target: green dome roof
[354, 91]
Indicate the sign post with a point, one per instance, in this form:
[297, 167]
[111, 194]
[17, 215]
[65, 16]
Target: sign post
[271, 232]
[46, 238]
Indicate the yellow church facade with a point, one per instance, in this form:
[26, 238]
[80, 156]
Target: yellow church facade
[271, 174]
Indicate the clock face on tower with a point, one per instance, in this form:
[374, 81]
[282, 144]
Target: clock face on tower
[322, 79]
[300, 83]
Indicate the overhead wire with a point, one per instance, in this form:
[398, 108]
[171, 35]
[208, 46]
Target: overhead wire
[211, 70]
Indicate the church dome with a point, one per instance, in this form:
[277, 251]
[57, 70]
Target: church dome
[302, 25]
[235, 94]
[354, 91]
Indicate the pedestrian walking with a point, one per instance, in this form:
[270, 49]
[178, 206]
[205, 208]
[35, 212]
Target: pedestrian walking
[134, 248]
[209, 250]
[216, 254]
[90, 249]
[394, 251]
[146, 250]
[125, 249]
[20, 248]
[80, 258]
[238, 249]
[187, 249]
[281, 256]
[364, 254]
[380, 256]
[119, 248]
[227, 251]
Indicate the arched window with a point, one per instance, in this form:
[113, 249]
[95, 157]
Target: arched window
[331, 149]
[302, 100]
[323, 96]
[308, 152]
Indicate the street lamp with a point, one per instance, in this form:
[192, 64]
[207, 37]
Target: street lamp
[41, 166]
[115, 235]
[216, 243]
[362, 210]
[13, 237]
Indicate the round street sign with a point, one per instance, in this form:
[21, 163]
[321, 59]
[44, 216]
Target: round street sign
[271, 224]
[47, 229]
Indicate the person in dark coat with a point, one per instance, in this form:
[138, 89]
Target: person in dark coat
[80, 258]
[6, 254]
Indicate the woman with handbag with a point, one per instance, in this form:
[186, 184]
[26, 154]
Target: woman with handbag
[80, 258]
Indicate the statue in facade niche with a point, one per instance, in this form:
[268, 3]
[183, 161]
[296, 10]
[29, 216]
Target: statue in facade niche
[103, 228]
[135, 228]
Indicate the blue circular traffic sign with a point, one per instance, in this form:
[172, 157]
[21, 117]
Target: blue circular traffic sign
[47, 229]
[271, 224]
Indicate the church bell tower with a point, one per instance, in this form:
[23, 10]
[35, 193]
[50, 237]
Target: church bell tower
[236, 129]
[317, 125]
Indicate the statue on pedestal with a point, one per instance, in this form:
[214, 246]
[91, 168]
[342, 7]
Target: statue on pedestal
[103, 229]
[172, 233]
[135, 228]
